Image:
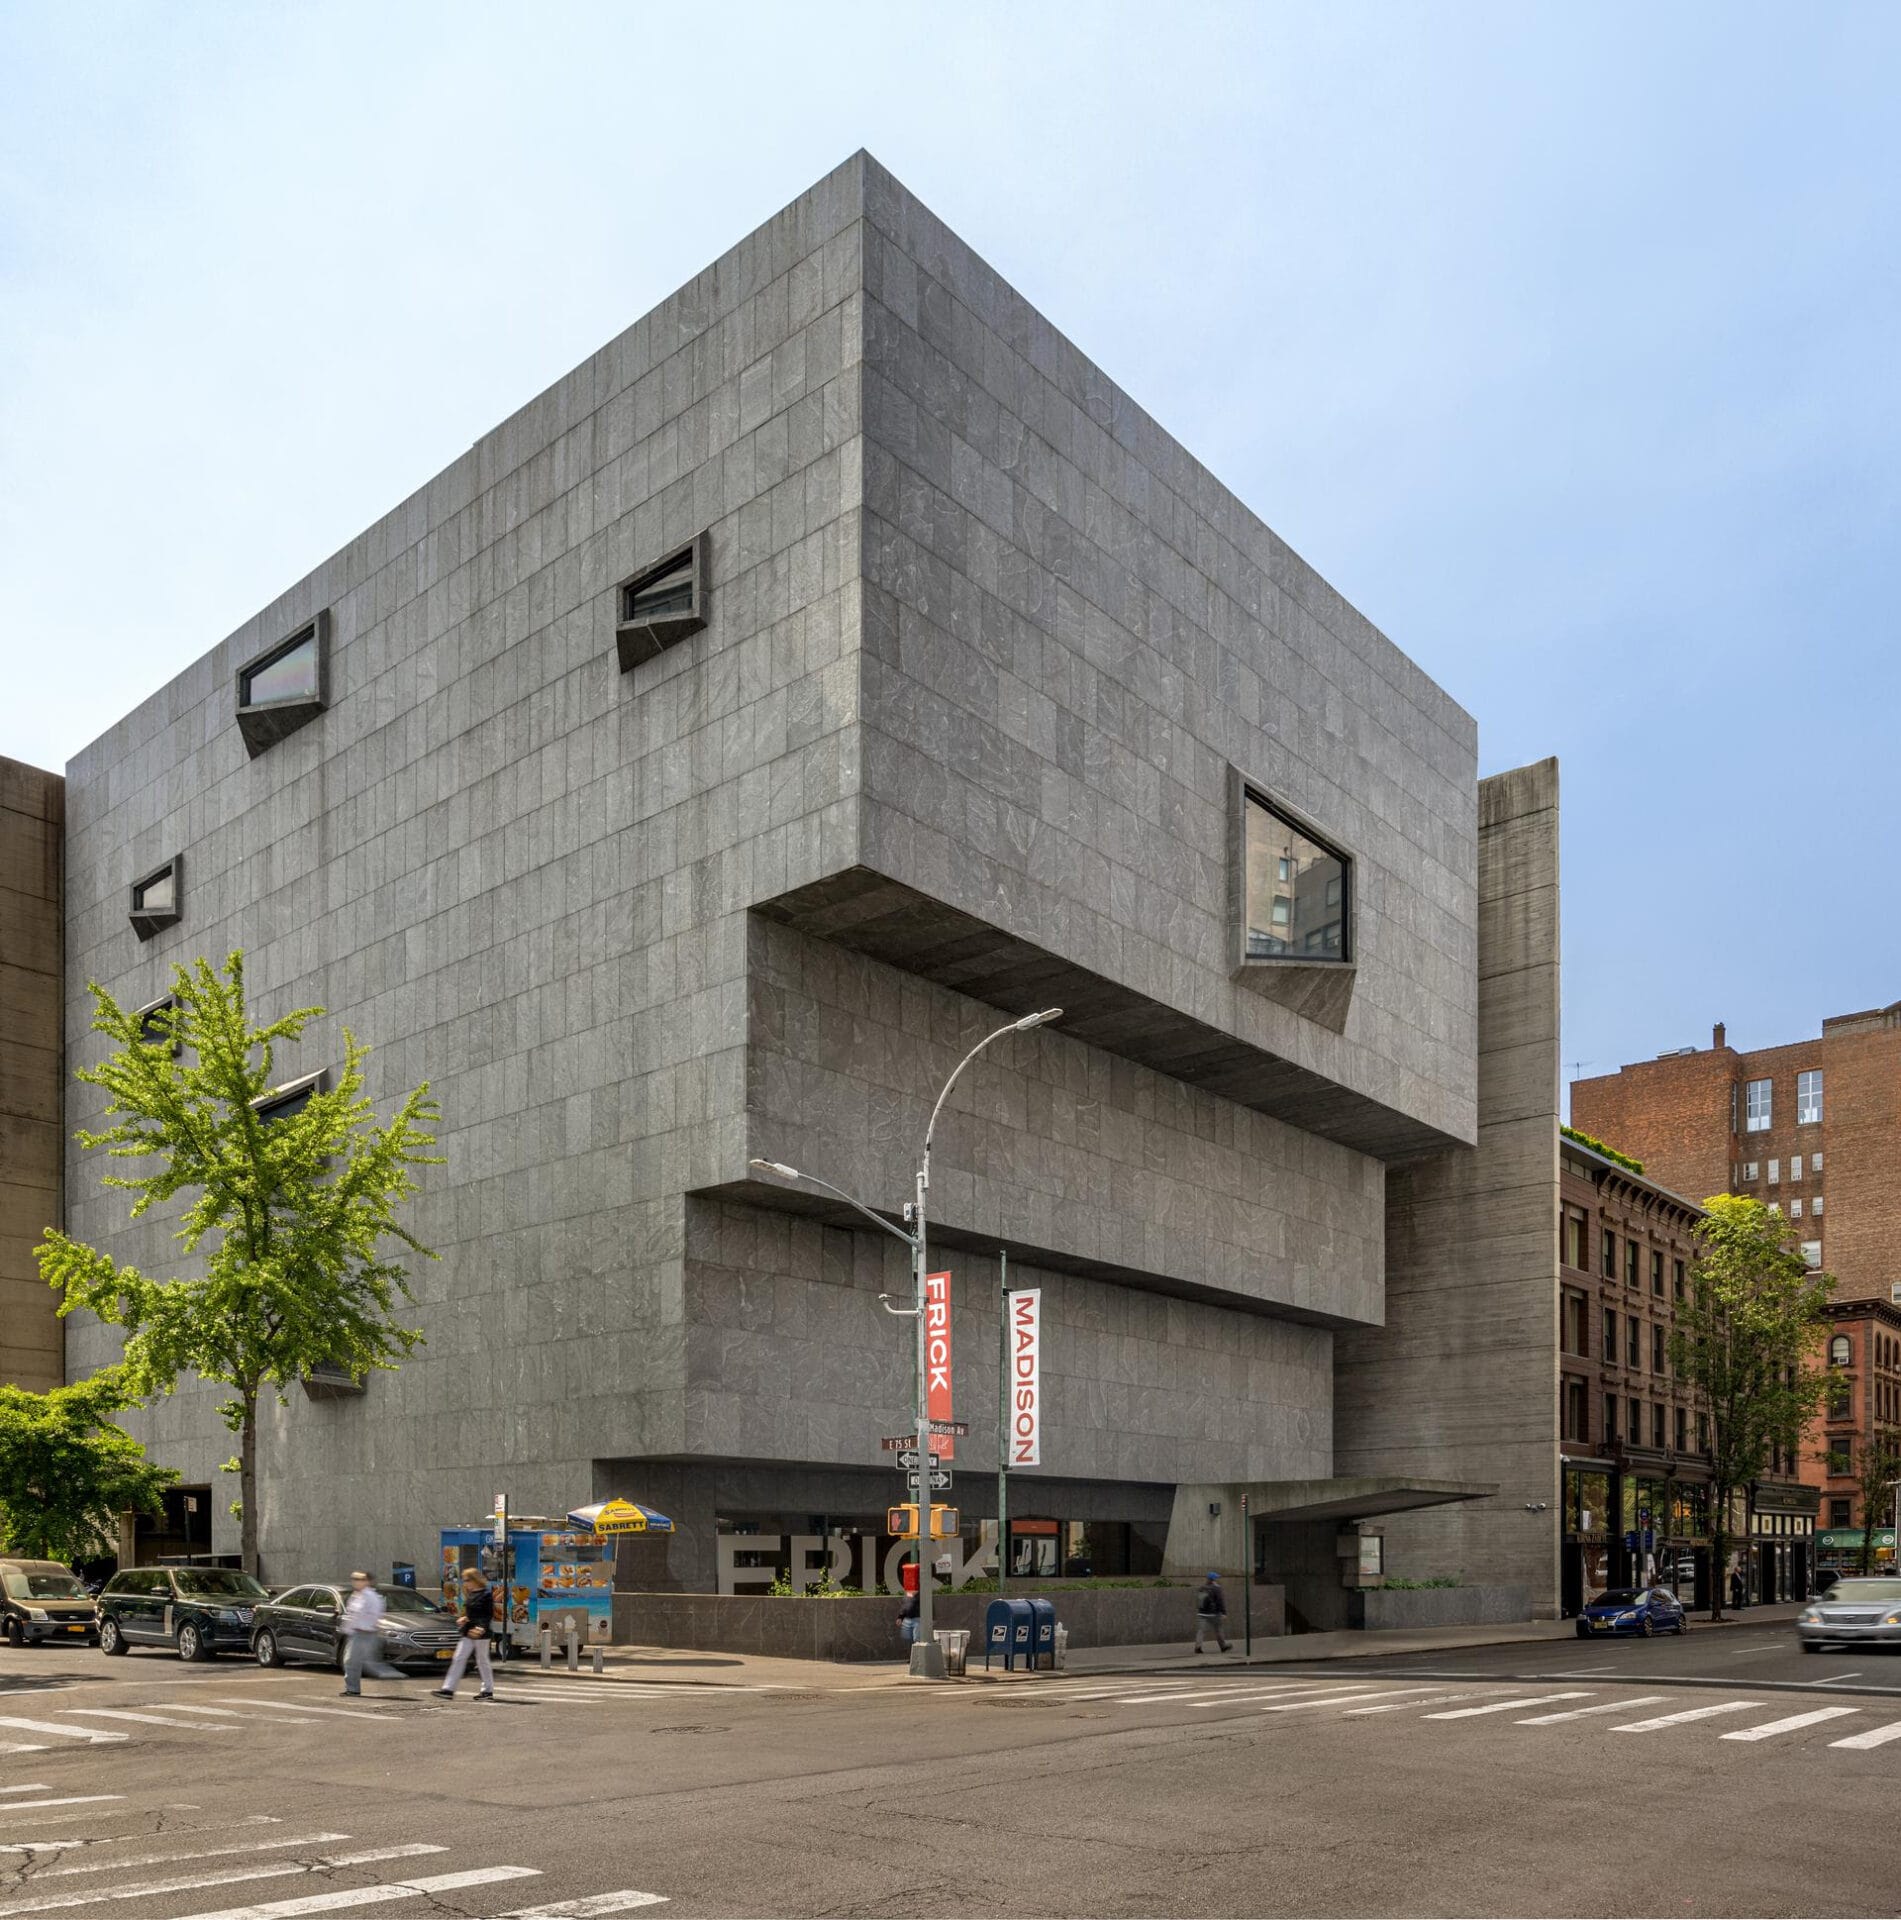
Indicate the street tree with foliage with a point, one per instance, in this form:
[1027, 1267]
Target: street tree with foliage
[1877, 1468]
[68, 1470]
[1748, 1341]
[291, 1215]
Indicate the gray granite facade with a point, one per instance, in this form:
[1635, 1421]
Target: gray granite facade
[985, 653]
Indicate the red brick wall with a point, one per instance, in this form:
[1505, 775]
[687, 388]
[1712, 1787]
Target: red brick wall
[1861, 1128]
[1671, 1114]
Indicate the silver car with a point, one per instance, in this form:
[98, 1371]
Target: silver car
[1853, 1613]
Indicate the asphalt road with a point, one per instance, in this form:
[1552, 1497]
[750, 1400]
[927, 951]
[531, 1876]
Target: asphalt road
[1726, 1774]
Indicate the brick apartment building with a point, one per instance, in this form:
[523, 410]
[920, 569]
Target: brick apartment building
[1633, 1448]
[1814, 1128]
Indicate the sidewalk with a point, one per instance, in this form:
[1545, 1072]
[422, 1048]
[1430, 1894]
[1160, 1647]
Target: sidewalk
[684, 1666]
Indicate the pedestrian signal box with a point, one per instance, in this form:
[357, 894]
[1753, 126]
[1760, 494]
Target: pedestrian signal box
[946, 1523]
[901, 1522]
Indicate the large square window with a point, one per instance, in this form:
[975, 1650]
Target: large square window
[1297, 892]
[662, 604]
[285, 687]
[158, 898]
[1808, 1098]
[1757, 1105]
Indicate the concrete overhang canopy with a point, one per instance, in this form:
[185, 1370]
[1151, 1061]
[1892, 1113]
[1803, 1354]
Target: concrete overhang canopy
[1362, 1499]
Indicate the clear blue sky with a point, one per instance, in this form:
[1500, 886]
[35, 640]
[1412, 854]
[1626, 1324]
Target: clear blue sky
[1562, 339]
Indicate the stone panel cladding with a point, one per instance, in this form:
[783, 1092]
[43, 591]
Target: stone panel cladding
[790, 1358]
[1464, 1374]
[1050, 1147]
[522, 876]
[1073, 631]
[32, 803]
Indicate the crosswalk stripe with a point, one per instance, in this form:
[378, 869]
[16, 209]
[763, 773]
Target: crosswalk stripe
[22, 1746]
[65, 1800]
[179, 1859]
[1770, 1728]
[230, 1876]
[369, 1896]
[1874, 1737]
[1246, 1696]
[25, 1786]
[1506, 1706]
[1333, 1699]
[589, 1906]
[107, 1839]
[1234, 1693]
[1694, 1713]
[301, 1703]
[272, 1718]
[1398, 1706]
[1578, 1713]
[144, 1719]
[97, 1735]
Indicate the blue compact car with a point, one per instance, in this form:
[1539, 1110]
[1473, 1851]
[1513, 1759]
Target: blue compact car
[1644, 1610]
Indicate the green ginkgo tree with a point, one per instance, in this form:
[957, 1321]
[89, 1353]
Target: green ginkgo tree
[296, 1259]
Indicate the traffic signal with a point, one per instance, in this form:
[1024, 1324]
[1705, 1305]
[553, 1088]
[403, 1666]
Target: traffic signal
[901, 1522]
[945, 1523]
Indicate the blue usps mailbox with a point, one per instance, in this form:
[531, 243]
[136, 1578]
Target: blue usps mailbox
[1042, 1632]
[1008, 1628]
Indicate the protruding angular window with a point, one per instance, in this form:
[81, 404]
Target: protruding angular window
[1297, 890]
[285, 687]
[662, 604]
[155, 1024]
[158, 898]
[292, 1097]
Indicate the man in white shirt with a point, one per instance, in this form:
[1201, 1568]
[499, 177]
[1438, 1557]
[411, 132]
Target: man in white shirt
[362, 1618]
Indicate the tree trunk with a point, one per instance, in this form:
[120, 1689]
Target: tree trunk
[1719, 1552]
[247, 1486]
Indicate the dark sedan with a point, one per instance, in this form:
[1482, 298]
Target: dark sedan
[1644, 1610]
[307, 1624]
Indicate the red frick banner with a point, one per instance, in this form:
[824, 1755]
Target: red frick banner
[937, 1358]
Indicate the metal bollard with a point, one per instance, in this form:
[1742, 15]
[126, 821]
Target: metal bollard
[600, 1659]
[574, 1652]
[547, 1645]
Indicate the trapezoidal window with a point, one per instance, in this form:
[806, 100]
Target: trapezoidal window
[156, 1024]
[661, 605]
[1298, 891]
[285, 687]
[292, 1097]
[158, 898]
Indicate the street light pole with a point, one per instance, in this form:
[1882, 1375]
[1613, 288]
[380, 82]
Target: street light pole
[927, 1658]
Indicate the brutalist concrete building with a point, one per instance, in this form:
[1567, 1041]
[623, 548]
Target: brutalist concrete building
[834, 666]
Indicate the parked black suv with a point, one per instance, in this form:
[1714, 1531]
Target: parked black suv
[306, 1624]
[199, 1610]
[41, 1600]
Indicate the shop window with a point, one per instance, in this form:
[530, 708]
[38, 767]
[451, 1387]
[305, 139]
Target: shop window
[285, 687]
[661, 605]
[158, 898]
[1298, 896]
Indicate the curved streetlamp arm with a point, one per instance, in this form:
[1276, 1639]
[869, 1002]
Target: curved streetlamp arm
[1024, 1025]
[812, 1179]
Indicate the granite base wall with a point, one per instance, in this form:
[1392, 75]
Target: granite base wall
[867, 1629]
[1389, 1607]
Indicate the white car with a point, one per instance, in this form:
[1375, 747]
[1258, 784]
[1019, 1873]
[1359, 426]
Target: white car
[1853, 1613]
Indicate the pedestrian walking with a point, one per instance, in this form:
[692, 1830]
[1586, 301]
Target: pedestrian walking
[1211, 1613]
[477, 1621]
[362, 1636]
[908, 1619]
[1738, 1589]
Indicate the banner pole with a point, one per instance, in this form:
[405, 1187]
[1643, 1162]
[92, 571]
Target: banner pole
[1003, 1423]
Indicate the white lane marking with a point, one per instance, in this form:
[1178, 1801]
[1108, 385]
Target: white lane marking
[1253, 1694]
[1694, 1713]
[272, 1870]
[1230, 1693]
[96, 1735]
[273, 1717]
[65, 1800]
[22, 1746]
[1505, 1706]
[26, 1786]
[589, 1906]
[179, 1859]
[1854, 1673]
[1330, 1700]
[299, 1704]
[1874, 1737]
[1396, 1706]
[144, 1719]
[369, 1896]
[112, 1839]
[1578, 1713]
[1770, 1728]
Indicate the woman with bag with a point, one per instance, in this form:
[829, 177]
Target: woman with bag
[477, 1622]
